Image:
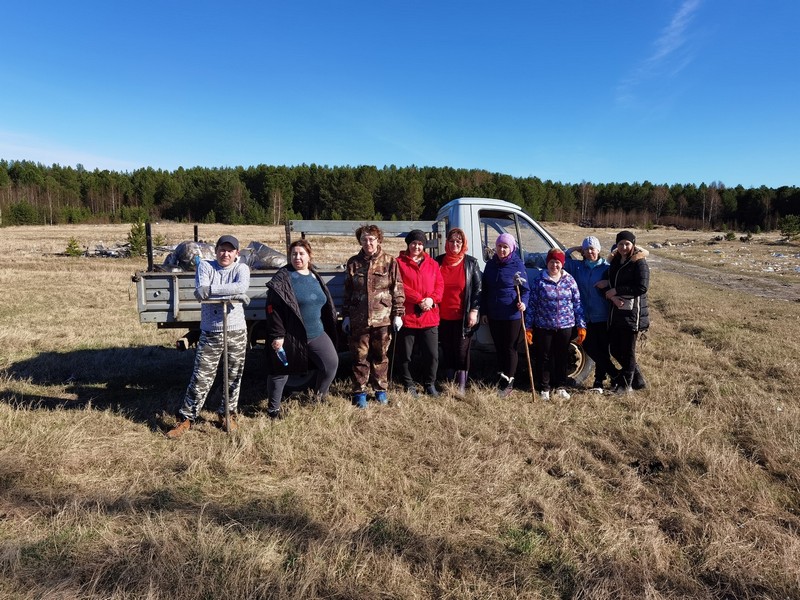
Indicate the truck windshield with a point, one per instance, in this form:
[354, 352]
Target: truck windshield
[533, 245]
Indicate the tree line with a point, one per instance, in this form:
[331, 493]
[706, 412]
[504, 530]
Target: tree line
[32, 193]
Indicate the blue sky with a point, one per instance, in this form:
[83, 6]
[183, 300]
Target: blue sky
[669, 91]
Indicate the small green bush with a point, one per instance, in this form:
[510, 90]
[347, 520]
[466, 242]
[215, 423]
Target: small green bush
[137, 239]
[790, 226]
[73, 248]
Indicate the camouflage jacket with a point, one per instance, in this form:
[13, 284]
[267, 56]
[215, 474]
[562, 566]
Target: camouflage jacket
[373, 291]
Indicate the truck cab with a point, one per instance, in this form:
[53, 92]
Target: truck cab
[483, 219]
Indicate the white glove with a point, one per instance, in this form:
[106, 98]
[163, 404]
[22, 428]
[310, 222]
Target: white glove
[346, 325]
[398, 323]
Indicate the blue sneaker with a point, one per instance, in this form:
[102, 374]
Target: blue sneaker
[360, 399]
[432, 391]
[380, 397]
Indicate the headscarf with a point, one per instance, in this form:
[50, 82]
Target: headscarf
[508, 240]
[452, 258]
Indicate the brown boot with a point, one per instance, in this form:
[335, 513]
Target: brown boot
[229, 427]
[180, 428]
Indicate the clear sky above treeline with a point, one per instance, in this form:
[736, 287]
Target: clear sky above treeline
[668, 91]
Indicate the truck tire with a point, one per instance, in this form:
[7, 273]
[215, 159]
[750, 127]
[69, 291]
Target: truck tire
[580, 365]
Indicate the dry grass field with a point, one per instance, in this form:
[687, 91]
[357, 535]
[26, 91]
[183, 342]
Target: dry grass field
[688, 489]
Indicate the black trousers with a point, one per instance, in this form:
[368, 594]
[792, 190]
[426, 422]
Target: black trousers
[623, 348]
[509, 338]
[597, 347]
[455, 345]
[551, 349]
[429, 338]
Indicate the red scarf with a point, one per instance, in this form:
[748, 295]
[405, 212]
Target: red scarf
[453, 258]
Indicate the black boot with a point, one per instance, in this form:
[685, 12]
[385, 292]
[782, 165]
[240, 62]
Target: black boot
[639, 382]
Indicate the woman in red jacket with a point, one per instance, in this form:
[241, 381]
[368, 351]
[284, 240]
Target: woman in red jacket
[423, 284]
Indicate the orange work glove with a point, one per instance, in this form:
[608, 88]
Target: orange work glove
[529, 336]
[581, 335]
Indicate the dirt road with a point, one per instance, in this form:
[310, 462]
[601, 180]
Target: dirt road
[764, 287]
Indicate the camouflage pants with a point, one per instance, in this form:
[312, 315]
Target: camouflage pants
[370, 358]
[206, 362]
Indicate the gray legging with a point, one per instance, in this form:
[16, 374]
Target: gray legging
[324, 356]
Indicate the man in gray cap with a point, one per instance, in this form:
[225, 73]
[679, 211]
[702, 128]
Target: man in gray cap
[224, 277]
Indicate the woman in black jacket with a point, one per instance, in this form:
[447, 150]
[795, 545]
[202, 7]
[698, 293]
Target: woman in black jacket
[301, 322]
[460, 306]
[626, 290]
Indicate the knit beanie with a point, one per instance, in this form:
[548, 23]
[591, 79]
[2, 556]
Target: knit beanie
[415, 235]
[591, 242]
[627, 236]
[508, 240]
[557, 254]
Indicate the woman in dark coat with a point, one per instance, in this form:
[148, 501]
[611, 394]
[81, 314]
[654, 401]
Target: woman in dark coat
[502, 307]
[301, 321]
[626, 290]
[459, 307]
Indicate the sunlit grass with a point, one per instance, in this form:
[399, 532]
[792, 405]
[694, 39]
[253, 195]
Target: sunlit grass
[688, 489]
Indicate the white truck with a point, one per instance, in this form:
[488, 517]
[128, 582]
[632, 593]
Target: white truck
[167, 298]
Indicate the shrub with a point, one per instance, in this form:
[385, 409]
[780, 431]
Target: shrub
[730, 236]
[790, 226]
[23, 213]
[74, 215]
[73, 248]
[137, 239]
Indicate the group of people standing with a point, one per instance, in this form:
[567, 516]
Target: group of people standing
[419, 301]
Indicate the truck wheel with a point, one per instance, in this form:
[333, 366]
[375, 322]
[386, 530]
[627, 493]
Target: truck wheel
[257, 335]
[580, 365]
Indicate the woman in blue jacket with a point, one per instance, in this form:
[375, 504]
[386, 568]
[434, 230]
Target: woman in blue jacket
[588, 272]
[502, 307]
[554, 309]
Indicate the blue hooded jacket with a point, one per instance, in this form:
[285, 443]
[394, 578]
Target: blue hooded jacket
[595, 305]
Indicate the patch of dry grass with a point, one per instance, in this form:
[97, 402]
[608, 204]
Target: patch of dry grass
[688, 489]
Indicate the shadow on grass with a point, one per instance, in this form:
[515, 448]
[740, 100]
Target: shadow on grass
[147, 383]
[141, 382]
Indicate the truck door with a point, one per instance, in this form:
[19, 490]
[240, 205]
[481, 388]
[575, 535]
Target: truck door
[534, 242]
